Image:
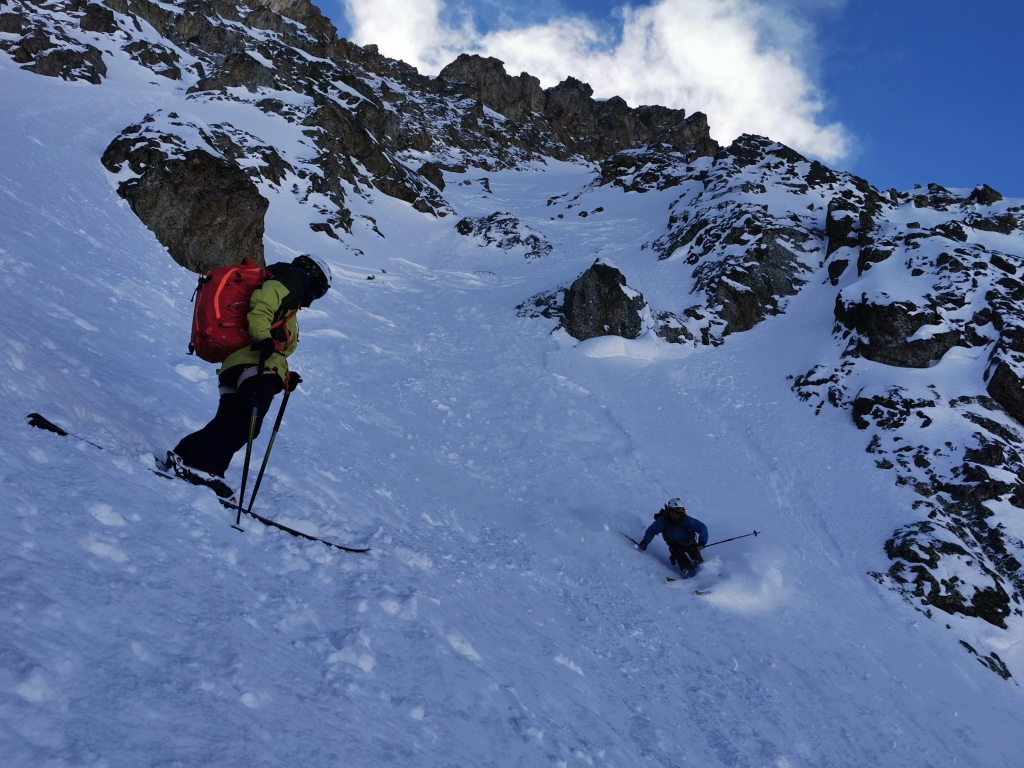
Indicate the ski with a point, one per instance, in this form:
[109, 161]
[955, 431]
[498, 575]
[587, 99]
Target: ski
[669, 579]
[40, 422]
[232, 504]
[273, 524]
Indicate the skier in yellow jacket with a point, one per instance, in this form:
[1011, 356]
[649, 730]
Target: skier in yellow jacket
[203, 457]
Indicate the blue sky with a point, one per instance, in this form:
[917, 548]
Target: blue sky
[925, 91]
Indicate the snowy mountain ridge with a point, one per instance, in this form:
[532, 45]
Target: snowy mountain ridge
[490, 459]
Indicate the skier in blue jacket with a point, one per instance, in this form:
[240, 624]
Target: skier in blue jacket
[685, 536]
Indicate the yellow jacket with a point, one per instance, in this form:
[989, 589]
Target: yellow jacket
[265, 309]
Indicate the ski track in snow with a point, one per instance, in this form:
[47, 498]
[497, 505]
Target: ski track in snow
[501, 619]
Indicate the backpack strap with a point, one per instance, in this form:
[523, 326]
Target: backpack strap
[283, 325]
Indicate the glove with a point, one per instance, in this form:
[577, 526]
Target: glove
[642, 546]
[700, 546]
[293, 380]
[266, 347]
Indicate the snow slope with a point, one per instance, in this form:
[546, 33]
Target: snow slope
[501, 618]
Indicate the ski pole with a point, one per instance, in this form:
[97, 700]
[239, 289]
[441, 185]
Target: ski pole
[257, 397]
[266, 456]
[631, 539]
[732, 539]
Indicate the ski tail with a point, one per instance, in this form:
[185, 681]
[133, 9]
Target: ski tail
[299, 534]
[41, 422]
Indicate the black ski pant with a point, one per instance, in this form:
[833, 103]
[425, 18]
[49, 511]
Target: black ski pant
[212, 447]
[686, 556]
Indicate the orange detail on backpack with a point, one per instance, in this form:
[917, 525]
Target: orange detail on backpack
[220, 319]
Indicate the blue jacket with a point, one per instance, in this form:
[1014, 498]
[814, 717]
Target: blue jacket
[681, 532]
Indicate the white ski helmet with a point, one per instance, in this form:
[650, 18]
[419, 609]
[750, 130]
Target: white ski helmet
[675, 503]
[308, 260]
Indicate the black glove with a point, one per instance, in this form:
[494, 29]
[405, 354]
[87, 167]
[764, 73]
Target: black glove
[266, 347]
[293, 380]
[701, 546]
[642, 546]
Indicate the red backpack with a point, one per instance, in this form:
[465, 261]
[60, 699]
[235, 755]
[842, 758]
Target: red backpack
[220, 319]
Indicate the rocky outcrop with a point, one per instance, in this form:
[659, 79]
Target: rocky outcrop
[918, 292]
[517, 98]
[747, 257]
[599, 303]
[504, 231]
[50, 49]
[1003, 224]
[644, 169]
[159, 58]
[892, 333]
[237, 70]
[71, 64]
[983, 194]
[98, 19]
[202, 207]
[916, 551]
[308, 15]
[13, 23]
[936, 197]
[432, 173]
[1006, 387]
[672, 328]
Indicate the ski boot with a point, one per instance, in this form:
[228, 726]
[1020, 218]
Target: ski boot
[173, 464]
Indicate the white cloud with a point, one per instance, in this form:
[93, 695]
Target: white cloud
[739, 62]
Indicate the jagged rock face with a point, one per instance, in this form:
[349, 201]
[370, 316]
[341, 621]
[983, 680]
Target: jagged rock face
[514, 97]
[584, 126]
[201, 206]
[955, 561]
[748, 251]
[302, 11]
[376, 123]
[432, 173]
[928, 288]
[203, 209]
[345, 142]
[917, 550]
[599, 303]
